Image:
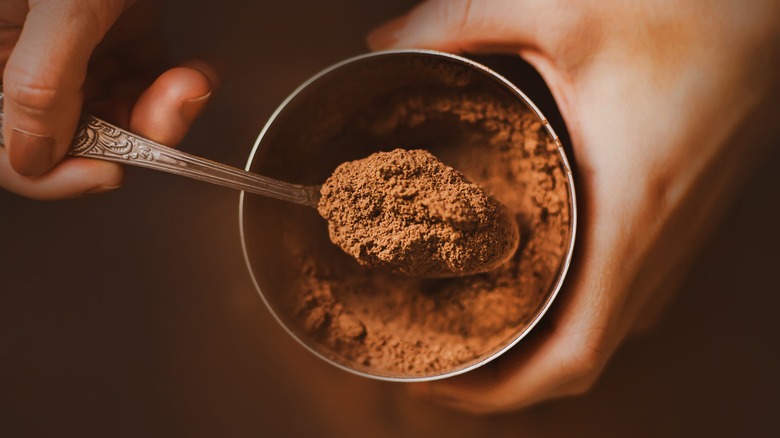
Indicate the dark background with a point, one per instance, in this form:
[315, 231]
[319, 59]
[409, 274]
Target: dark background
[132, 313]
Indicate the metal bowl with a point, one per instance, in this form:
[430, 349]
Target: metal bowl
[329, 120]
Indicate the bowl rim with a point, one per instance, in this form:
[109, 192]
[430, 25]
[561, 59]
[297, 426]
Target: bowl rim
[562, 271]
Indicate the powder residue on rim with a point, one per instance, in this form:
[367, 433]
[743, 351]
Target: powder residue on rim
[392, 325]
[407, 212]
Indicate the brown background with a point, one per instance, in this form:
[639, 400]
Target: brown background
[132, 314]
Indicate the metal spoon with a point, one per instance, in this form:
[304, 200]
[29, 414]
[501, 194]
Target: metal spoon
[96, 138]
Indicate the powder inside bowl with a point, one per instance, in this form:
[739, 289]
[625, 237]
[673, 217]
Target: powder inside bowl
[397, 326]
[407, 212]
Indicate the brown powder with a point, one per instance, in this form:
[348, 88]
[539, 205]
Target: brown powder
[399, 326]
[407, 212]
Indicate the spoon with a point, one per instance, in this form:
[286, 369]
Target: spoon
[98, 139]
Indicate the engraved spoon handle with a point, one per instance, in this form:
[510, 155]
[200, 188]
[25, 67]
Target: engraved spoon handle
[101, 140]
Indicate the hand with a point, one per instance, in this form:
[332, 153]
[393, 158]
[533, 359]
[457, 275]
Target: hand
[46, 47]
[666, 104]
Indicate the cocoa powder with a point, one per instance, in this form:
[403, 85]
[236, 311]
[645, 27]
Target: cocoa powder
[407, 212]
[398, 326]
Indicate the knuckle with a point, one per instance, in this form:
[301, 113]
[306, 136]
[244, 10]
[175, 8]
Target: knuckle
[578, 35]
[31, 93]
[660, 187]
[584, 384]
[456, 14]
[585, 359]
[102, 13]
[99, 15]
[586, 355]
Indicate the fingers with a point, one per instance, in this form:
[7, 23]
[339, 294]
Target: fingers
[462, 25]
[44, 76]
[564, 360]
[164, 113]
[167, 109]
[74, 177]
[555, 369]
[560, 365]
[585, 328]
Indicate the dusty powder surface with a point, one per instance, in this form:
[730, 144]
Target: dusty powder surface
[393, 325]
[406, 212]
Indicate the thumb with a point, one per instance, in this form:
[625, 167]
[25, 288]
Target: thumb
[462, 25]
[44, 76]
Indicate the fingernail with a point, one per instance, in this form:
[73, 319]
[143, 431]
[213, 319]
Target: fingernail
[101, 189]
[213, 66]
[385, 36]
[190, 108]
[31, 154]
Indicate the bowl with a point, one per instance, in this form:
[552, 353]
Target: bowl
[386, 326]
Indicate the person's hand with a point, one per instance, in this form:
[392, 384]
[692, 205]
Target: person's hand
[665, 103]
[58, 54]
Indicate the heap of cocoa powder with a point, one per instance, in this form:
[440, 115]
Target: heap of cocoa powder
[399, 326]
[407, 212]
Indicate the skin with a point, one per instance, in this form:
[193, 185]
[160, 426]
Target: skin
[668, 105]
[58, 56]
